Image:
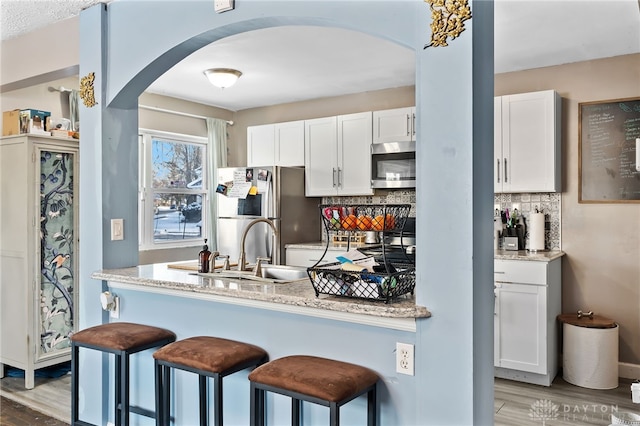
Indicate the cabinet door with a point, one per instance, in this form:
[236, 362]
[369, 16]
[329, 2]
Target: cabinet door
[529, 145]
[320, 157]
[498, 161]
[354, 154]
[394, 125]
[289, 144]
[57, 269]
[261, 145]
[521, 334]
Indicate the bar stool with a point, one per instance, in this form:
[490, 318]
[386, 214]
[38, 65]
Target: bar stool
[317, 380]
[207, 357]
[121, 339]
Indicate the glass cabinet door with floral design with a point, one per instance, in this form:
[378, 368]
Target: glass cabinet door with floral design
[56, 175]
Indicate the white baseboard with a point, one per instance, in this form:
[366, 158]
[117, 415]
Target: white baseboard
[629, 371]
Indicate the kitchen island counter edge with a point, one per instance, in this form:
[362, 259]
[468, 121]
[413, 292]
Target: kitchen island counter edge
[295, 297]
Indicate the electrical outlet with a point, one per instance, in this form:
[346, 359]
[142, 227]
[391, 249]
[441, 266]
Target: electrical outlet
[115, 312]
[223, 5]
[404, 358]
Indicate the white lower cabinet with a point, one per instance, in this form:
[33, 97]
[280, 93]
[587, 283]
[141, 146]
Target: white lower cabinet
[527, 302]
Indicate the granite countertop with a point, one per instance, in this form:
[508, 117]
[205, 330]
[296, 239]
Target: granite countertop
[538, 256]
[159, 277]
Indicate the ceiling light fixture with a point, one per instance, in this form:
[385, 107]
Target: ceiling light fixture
[222, 77]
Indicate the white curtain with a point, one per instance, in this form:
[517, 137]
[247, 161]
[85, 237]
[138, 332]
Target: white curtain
[217, 133]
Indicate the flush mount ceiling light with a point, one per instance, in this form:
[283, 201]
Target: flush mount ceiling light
[222, 77]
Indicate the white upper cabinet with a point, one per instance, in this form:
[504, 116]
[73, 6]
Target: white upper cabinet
[289, 144]
[337, 155]
[394, 125]
[261, 145]
[279, 144]
[527, 142]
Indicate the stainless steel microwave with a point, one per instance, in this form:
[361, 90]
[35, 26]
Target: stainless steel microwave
[393, 165]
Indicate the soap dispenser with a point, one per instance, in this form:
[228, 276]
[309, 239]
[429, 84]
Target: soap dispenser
[203, 258]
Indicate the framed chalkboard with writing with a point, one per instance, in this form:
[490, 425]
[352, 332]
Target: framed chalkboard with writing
[609, 136]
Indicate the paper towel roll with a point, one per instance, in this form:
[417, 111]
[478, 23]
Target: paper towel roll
[536, 231]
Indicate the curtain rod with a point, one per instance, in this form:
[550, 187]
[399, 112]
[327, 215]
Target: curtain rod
[60, 89]
[184, 114]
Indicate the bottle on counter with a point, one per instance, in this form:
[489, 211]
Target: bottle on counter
[203, 258]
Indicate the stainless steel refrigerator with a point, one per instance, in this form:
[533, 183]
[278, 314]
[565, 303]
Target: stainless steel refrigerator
[275, 193]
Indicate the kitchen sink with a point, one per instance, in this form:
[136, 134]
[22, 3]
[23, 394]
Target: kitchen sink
[284, 272]
[271, 274]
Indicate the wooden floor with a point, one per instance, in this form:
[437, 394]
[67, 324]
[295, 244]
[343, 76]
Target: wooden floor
[516, 404]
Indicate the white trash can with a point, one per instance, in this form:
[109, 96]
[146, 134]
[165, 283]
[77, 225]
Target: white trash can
[590, 351]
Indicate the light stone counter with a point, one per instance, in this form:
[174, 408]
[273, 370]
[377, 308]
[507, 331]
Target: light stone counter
[296, 297]
[539, 256]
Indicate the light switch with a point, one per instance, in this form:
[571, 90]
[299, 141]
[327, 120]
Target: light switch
[223, 5]
[117, 229]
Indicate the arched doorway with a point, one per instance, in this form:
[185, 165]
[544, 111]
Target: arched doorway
[454, 95]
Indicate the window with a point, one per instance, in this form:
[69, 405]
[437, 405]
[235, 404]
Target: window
[173, 190]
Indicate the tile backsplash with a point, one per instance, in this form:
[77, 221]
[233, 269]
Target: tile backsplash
[380, 197]
[547, 203]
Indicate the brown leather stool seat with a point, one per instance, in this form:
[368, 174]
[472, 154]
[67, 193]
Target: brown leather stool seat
[208, 357]
[121, 339]
[319, 380]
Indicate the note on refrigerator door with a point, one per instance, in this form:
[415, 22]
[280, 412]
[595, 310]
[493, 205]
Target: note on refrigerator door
[239, 190]
[239, 176]
[262, 181]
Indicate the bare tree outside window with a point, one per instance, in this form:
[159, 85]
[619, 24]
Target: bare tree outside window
[174, 190]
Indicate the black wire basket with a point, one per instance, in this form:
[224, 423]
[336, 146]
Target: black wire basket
[331, 279]
[365, 217]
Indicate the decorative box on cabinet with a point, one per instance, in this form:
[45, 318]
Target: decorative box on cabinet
[38, 251]
[279, 144]
[527, 302]
[337, 155]
[527, 142]
[394, 125]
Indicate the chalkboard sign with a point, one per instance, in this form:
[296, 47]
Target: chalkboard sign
[607, 156]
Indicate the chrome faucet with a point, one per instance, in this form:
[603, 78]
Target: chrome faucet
[243, 255]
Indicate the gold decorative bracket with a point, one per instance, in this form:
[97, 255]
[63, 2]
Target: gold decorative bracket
[447, 20]
[86, 90]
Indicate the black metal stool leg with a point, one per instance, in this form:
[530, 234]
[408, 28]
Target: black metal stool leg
[75, 380]
[166, 395]
[334, 414]
[204, 397]
[295, 411]
[371, 407]
[118, 390]
[217, 400]
[158, 392]
[125, 388]
[256, 406]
